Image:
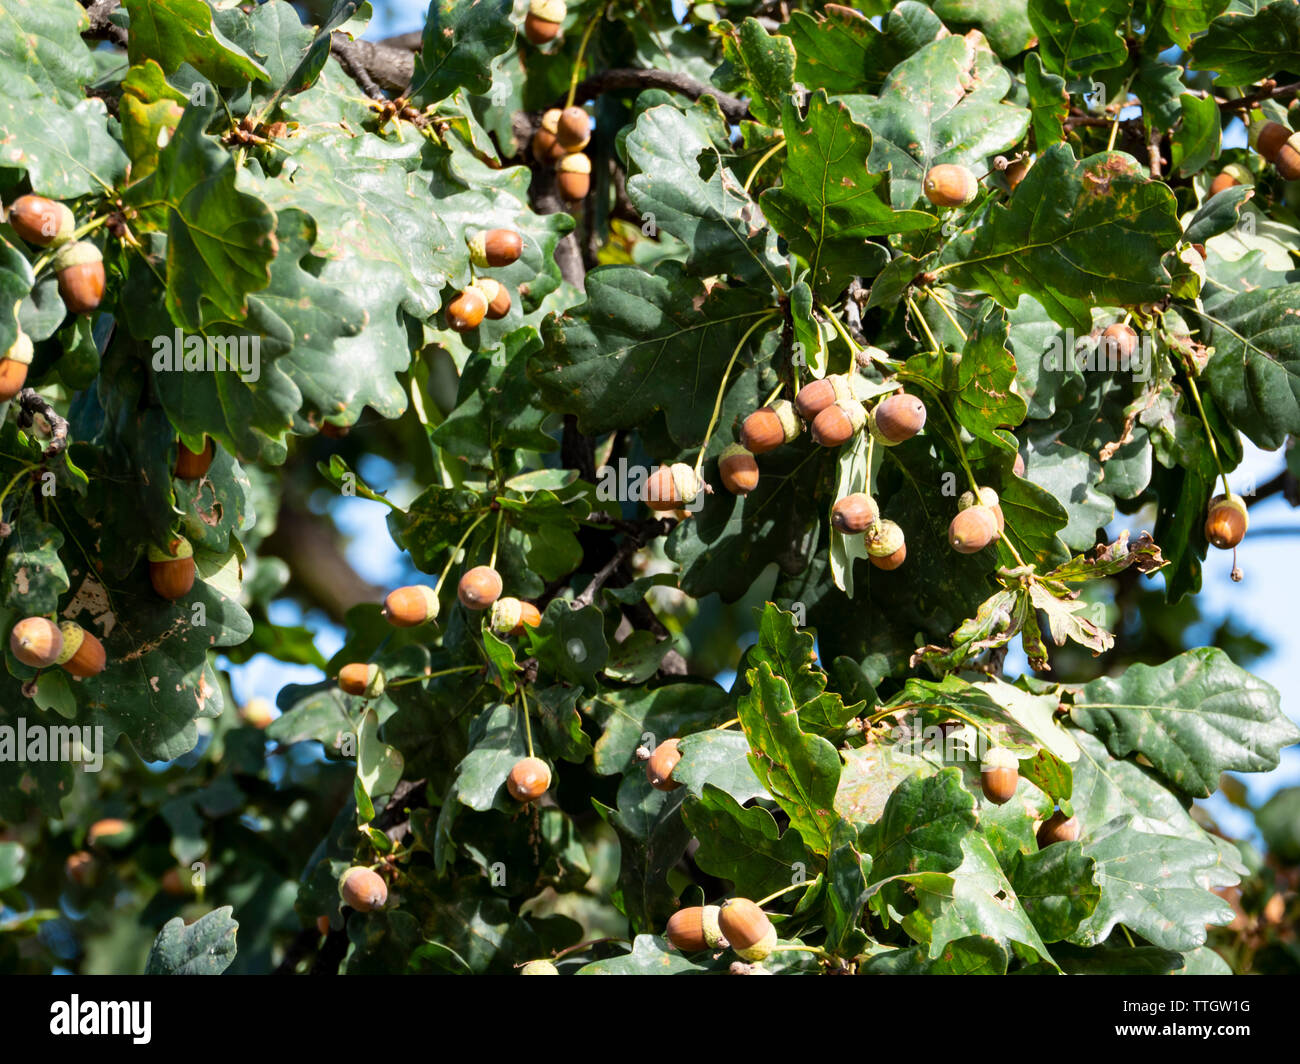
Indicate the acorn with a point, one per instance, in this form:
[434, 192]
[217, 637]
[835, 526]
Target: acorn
[361, 679]
[574, 129]
[949, 185]
[323, 925]
[539, 968]
[695, 929]
[816, 396]
[479, 587]
[972, 529]
[671, 487]
[839, 422]
[999, 775]
[466, 311]
[1118, 342]
[575, 177]
[738, 470]
[334, 430]
[495, 247]
[897, 419]
[1015, 173]
[886, 545]
[192, 466]
[987, 497]
[108, 828]
[854, 513]
[659, 769]
[769, 426]
[1268, 138]
[41, 221]
[80, 270]
[80, 868]
[257, 713]
[13, 367]
[498, 297]
[36, 641]
[544, 19]
[83, 654]
[545, 146]
[1227, 521]
[528, 779]
[1058, 828]
[510, 616]
[1287, 162]
[363, 889]
[173, 883]
[747, 929]
[408, 607]
[171, 571]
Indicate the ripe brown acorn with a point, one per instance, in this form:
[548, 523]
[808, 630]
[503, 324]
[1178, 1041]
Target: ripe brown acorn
[257, 713]
[323, 925]
[1118, 342]
[886, 545]
[1058, 828]
[839, 422]
[36, 641]
[510, 616]
[495, 247]
[1226, 521]
[574, 130]
[108, 828]
[738, 470]
[13, 367]
[467, 310]
[949, 185]
[83, 654]
[1269, 138]
[544, 19]
[79, 267]
[545, 146]
[747, 928]
[334, 430]
[1221, 182]
[41, 221]
[1287, 162]
[816, 396]
[898, 418]
[80, 868]
[191, 465]
[1015, 173]
[671, 487]
[854, 513]
[171, 570]
[498, 297]
[574, 181]
[999, 775]
[528, 779]
[987, 497]
[407, 607]
[479, 587]
[363, 889]
[173, 883]
[695, 929]
[972, 529]
[659, 769]
[361, 679]
[769, 426]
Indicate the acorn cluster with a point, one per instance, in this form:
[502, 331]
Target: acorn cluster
[560, 142]
[1279, 145]
[39, 643]
[77, 264]
[738, 924]
[485, 297]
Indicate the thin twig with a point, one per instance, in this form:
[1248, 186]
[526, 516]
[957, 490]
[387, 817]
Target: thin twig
[29, 405]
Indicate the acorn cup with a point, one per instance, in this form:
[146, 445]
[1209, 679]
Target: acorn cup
[361, 679]
[13, 367]
[408, 607]
[574, 179]
[948, 185]
[672, 487]
[769, 426]
[479, 587]
[544, 20]
[495, 247]
[886, 545]
[498, 297]
[546, 147]
[191, 465]
[171, 570]
[510, 616]
[738, 470]
[539, 968]
[41, 221]
[36, 642]
[529, 779]
[83, 654]
[79, 268]
[659, 768]
[695, 929]
[363, 889]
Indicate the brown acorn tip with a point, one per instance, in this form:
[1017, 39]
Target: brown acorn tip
[659, 768]
[479, 587]
[529, 779]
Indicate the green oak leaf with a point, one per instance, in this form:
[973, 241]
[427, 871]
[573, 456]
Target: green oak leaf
[205, 947]
[1056, 888]
[757, 65]
[173, 32]
[460, 39]
[42, 53]
[744, 845]
[1079, 37]
[1245, 45]
[66, 151]
[637, 716]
